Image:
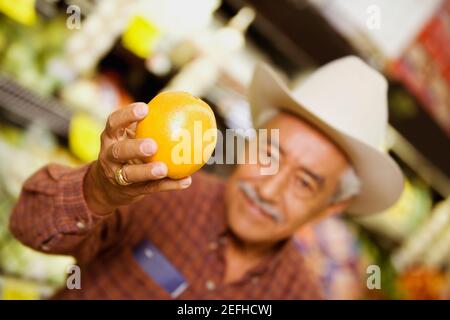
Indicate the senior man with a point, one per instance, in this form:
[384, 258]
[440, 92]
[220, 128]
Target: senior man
[207, 238]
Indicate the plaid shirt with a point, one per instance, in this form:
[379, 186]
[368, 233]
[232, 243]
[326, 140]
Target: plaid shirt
[188, 227]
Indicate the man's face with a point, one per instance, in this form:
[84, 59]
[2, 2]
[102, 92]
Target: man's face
[270, 208]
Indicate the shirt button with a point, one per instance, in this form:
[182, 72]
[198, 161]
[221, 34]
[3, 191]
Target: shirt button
[213, 246]
[148, 253]
[210, 285]
[81, 225]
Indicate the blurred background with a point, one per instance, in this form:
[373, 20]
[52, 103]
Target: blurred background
[66, 64]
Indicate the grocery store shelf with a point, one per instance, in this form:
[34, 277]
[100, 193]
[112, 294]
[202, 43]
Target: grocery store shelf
[21, 106]
[17, 288]
[419, 163]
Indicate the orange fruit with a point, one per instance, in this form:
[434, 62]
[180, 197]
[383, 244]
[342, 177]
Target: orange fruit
[184, 128]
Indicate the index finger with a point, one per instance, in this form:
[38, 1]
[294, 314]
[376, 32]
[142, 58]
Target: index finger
[122, 118]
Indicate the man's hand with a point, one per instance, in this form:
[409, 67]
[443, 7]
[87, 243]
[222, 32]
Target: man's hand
[119, 149]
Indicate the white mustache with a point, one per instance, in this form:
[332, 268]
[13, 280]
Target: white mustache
[250, 191]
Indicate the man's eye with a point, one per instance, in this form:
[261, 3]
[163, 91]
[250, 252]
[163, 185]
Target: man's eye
[304, 183]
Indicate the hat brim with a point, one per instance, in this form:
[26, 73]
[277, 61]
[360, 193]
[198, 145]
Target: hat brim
[380, 176]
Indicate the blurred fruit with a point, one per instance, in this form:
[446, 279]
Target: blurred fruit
[423, 283]
[84, 127]
[184, 127]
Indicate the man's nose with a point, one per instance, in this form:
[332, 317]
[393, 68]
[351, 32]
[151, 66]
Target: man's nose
[271, 187]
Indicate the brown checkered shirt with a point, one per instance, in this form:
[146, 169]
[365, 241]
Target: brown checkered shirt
[188, 227]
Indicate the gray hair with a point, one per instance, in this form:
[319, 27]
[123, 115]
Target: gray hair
[349, 186]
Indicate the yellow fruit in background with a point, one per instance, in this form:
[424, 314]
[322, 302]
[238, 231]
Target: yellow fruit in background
[184, 128]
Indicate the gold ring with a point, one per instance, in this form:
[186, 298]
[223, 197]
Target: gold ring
[120, 179]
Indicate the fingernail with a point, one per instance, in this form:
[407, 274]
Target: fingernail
[140, 110]
[148, 147]
[159, 171]
[186, 182]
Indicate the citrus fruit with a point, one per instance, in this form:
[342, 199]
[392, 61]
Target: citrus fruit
[184, 128]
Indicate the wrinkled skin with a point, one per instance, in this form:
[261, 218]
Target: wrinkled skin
[293, 192]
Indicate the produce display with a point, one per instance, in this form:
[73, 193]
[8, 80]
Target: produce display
[403, 219]
[21, 153]
[31, 57]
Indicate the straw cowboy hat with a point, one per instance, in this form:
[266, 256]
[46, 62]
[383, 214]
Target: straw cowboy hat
[347, 100]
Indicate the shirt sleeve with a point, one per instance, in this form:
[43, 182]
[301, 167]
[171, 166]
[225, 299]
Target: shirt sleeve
[52, 215]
